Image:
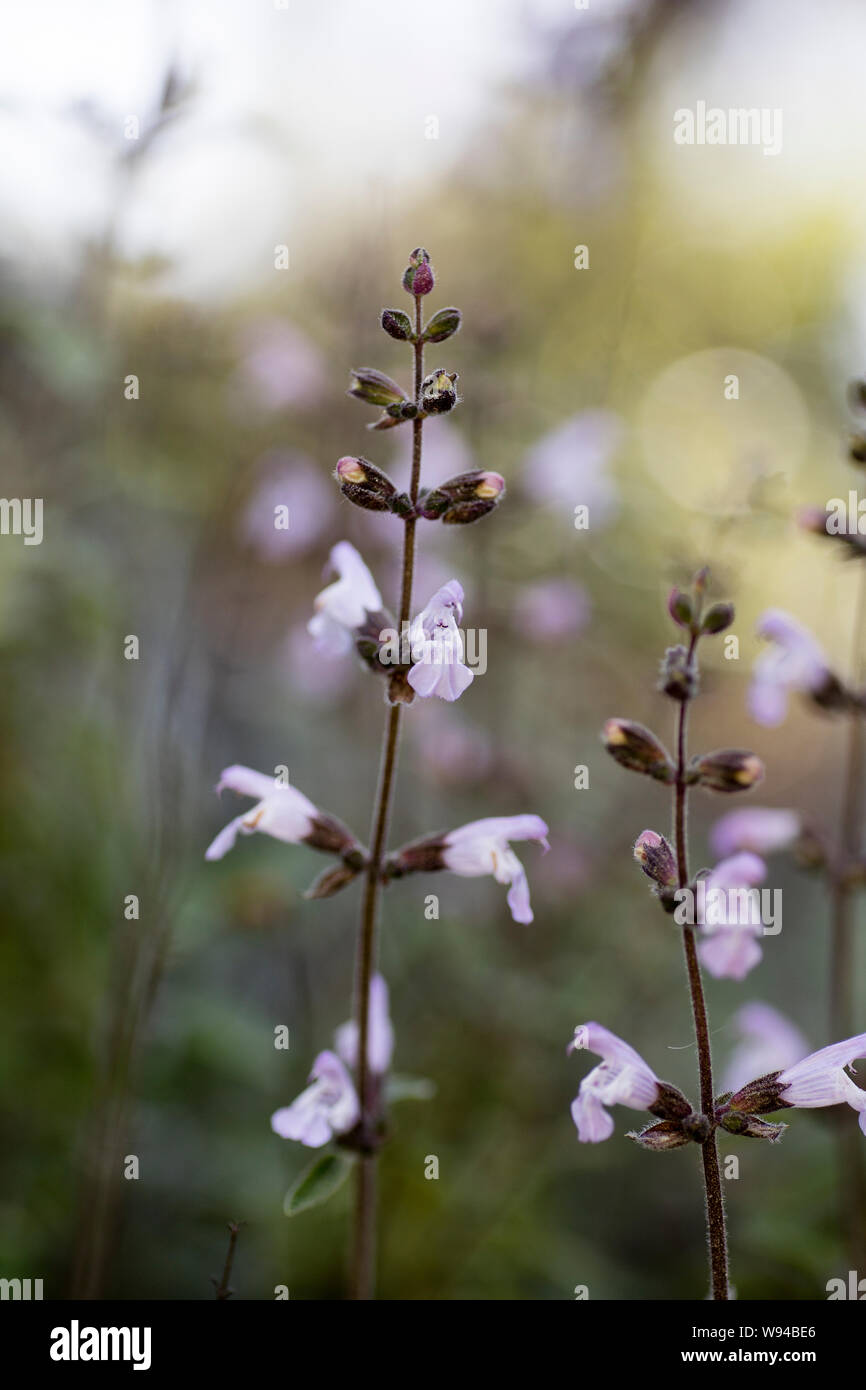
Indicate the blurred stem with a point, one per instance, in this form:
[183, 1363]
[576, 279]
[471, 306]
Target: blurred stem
[363, 1257]
[715, 1207]
[223, 1291]
[852, 1181]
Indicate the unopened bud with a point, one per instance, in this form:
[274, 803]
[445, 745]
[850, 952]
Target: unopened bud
[438, 392]
[656, 857]
[750, 1127]
[670, 1104]
[375, 388]
[679, 675]
[464, 498]
[365, 484]
[759, 1097]
[397, 324]
[717, 617]
[418, 276]
[442, 325]
[680, 608]
[331, 881]
[667, 1134]
[637, 748]
[728, 770]
[332, 836]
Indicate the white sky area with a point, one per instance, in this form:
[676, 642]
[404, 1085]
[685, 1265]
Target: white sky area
[300, 106]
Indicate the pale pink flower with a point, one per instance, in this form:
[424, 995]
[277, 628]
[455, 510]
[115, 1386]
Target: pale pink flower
[767, 1042]
[482, 847]
[551, 610]
[729, 946]
[621, 1078]
[289, 508]
[822, 1078]
[570, 466]
[281, 811]
[761, 829]
[793, 662]
[342, 607]
[280, 366]
[326, 1109]
[436, 645]
[380, 1036]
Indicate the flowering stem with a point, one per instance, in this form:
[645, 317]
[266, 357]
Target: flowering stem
[716, 1233]
[842, 971]
[363, 1258]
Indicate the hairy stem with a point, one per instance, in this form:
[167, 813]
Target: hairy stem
[715, 1207]
[363, 1257]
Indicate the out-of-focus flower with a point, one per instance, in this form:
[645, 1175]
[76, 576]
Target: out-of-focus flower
[436, 646]
[452, 752]
[326, 1109]
[729, 946]
[569, 467]
[767, 1042]
[289, 508]
[482, 847]
[342, 607]
[761, 829]
[280, 367]
[380, 1039]
[323, 678]
[621, 1078]
[794, 662]
[281, 811]
[551, 610]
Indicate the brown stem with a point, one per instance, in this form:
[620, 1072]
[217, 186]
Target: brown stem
[222, 1288]
[715, 1207]
[363, 1257]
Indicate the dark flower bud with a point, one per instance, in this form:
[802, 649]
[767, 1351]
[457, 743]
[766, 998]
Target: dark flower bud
[418, 275]
[375, 388]
[728, 770]
[331, 881]
[365, 485]
[667, 1134]
[759, 1097]
[464, 498]
[442, 325]
[332, 836]
[680, 608]
[750, 1127]
[679, 675]
[717, 617]
[656, 858]
[637, 748]
[857, 448]
[670, 1104]
[397, 324]
[438, 393]
[697, 1127]
[419, 856]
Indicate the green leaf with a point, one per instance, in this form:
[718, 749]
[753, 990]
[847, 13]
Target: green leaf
[317, 1183]
[409, 1088]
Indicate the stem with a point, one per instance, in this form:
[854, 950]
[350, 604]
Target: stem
[852, 1185]
[222, 1289]
[715, 1207]
[363, 1257]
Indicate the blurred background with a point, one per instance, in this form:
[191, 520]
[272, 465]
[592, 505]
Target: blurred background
[152, 157]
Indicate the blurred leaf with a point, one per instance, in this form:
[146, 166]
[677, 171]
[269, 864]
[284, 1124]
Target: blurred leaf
[317, 1183]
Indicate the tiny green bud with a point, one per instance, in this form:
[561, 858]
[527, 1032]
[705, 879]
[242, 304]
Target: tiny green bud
[375, 388]
[418, 276]
[718, 617]
[397, 324]
[442, 325]
[680, 608]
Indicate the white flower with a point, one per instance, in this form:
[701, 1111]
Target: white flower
[621, 1078]
[342, 607]
[436, 646]
[281, 811]
[482, 847]
[328, 1107]
[380, 1033]
[795, 661]
[822, 1078]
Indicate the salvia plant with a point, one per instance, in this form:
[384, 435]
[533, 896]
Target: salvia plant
[724, 942]
[415, 655]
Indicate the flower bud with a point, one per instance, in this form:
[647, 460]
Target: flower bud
[365, 485]
[670, 1104]
[375, 388]
[418, 276]
[759, 1097]
[667, 1134]
[464, 498]
[397, 324]
[728, 770]
[637, 748]
[680, 608]
[442, 325]
[332, 836]
[656, 857]
[750, 1127]
[717, 617]
[679, 675]
[438, 393]
[331, 881]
